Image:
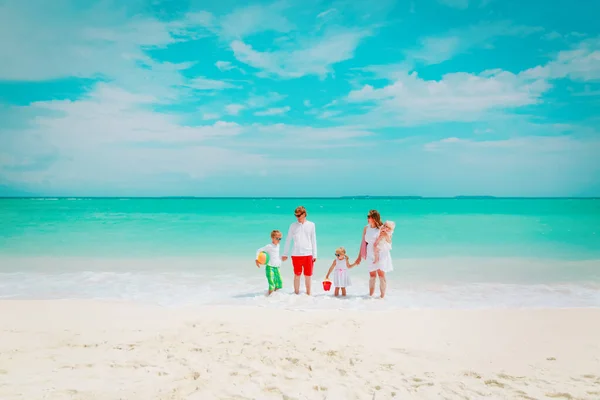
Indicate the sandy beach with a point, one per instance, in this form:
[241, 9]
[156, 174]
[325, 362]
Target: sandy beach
[58, 349]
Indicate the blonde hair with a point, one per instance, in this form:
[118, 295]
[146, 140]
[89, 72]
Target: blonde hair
[274, 233]
[341, 250]
[391, 225]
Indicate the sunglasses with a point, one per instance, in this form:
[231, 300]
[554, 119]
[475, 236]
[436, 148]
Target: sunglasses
[299, 215]
[337, 255]
[277, 238]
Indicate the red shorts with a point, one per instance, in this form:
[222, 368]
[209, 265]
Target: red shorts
[303, 263]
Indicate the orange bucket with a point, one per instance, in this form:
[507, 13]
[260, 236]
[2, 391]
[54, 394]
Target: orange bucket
[326, 285]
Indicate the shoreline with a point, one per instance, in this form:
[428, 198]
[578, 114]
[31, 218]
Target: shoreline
[70, 348]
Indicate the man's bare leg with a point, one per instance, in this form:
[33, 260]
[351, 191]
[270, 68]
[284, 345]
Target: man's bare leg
[297, 284]
[307, 282]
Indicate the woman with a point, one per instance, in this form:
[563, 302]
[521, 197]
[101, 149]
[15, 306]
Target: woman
[370, 234]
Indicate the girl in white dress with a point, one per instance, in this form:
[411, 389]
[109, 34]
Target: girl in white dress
[341, 277]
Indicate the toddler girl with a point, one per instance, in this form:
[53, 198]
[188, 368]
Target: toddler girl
[383, 246]
[341, 277]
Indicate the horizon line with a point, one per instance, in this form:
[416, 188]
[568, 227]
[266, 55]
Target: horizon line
[360, 197]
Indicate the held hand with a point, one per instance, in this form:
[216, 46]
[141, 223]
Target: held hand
[257, 263]
[314, 260]
[283, 258]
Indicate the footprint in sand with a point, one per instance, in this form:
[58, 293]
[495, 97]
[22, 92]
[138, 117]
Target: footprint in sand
[567, 396]
[493, 382]
[472, 374]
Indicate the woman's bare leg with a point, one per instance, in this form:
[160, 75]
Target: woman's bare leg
[372, 277]
[382, 282]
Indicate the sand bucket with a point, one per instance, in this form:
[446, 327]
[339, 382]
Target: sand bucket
[326, 285]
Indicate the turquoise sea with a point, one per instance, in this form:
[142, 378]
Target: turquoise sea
[459, 253]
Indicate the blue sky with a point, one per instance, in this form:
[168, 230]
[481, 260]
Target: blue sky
[300, 98]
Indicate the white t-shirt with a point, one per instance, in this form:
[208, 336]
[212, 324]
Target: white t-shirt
[273, 251]
[304, 237]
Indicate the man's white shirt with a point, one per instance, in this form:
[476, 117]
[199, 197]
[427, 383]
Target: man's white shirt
[304, 237]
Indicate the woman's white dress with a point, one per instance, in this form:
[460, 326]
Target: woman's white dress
[341, 276]
[385, 258]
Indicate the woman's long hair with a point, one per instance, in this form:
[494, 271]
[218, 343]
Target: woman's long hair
[374, 214]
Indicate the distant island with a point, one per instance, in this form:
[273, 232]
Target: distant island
[418, 197]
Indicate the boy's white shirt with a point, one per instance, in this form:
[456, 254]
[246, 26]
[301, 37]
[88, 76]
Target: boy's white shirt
[273, 251]
[305, 239]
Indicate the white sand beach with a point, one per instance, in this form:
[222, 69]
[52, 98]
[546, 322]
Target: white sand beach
[59, 349]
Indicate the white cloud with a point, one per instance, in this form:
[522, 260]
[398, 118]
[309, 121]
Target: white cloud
[109, 114]
[224, 65]
[456, 97]
[329, 114]
[112, 136]
[94, 41]
[437, 49]
[306, 103]
[234, 109]
[410, 100]
[293, 136]
[261, 101]
[202, 83]
[209, 116]
[113, 139]
[252, 19]
[326, 13]
[554, 35]
[581, 63]
[311, 58]
[228, 66]
[272, 111]
[460, 4]
[534, 144]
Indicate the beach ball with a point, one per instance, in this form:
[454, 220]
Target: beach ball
[263, 258]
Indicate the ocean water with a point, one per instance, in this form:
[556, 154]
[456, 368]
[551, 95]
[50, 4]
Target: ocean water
[448, 253]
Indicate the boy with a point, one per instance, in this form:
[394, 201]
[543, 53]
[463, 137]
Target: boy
[272, 267]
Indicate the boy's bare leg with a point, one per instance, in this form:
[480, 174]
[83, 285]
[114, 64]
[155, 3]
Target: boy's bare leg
[296, 284]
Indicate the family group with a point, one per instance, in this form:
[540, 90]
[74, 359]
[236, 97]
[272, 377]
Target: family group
[375, 249]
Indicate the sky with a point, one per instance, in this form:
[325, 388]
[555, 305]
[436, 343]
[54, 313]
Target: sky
[299, 98]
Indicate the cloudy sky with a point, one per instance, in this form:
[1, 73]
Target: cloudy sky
[300, 98]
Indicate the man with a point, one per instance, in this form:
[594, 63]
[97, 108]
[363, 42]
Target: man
[304, 252]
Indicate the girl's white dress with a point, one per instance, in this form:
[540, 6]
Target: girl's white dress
[341, 275]
[385, 258]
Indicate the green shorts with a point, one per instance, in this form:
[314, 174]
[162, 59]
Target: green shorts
[273, 277]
